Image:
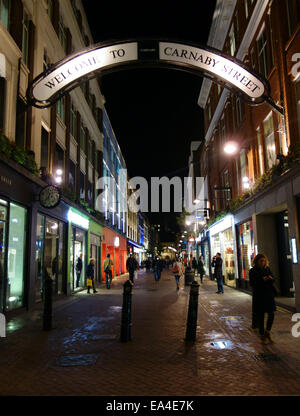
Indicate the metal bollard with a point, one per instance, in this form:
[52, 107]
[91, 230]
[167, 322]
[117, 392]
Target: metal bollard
[47, 306]
[126, 312]
[191, 326]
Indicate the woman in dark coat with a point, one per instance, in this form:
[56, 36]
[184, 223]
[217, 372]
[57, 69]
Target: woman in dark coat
[201, 268]
[262, 282]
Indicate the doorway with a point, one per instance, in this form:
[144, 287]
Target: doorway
[78, 247]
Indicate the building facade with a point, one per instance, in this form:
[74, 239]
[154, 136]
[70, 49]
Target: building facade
[114, 200]
[65, 141]
[258, 186]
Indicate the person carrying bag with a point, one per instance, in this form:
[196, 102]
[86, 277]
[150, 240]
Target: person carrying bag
[178, 271]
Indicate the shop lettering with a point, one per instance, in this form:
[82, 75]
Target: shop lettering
[296, 327]
[6, 180]
[118, 53]
[2, 326]
[190, 55]
[62, 76]
[238, 76]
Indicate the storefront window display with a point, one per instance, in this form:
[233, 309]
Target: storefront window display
[246, 249]
[78, 247]
[50, 254]
[223, 243]
[228, 257]
[13, 219]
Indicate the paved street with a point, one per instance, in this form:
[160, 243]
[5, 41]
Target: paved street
[157, 361]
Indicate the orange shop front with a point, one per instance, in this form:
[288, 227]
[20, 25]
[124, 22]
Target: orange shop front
[115, 245]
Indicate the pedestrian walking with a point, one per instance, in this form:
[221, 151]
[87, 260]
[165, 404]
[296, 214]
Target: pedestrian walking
[217, 264]
[107, 266]
[131, 266]
[90, 276]
[264, 292]
[178, 270]
[157, 268]
[201, 269]
[195, 265]
[78, 269]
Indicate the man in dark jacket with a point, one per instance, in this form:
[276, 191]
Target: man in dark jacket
[78, 269]
[90, 274]
[131, 266]
[217, 264]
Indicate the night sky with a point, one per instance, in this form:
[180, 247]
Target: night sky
[154, 112]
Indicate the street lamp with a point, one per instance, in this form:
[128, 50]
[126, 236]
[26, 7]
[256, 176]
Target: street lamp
[232, 148]
[58, 177]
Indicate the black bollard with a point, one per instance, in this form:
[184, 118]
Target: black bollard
[126, 312]
[47, 306]
[191, 326]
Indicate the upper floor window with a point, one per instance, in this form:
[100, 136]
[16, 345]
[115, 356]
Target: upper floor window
[25, 37]
[246, 9]
[73, 121]
[50, 9]
[239, 111]
[4, 13]
[90, 151]
[269, 141]
[293, 15]
[262, 53]
[222, 129]
[62, 35]
[82, 137]
[260, 151]
[209, 109]
[60, 108]
[45, 61]
[232, 40]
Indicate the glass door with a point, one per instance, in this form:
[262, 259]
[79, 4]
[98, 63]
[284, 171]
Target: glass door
[3, 218]
[39, 257]
[78, 250]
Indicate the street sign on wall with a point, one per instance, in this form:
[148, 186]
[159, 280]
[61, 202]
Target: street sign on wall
[67, 74]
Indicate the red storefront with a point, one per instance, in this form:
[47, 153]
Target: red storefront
[115, 245]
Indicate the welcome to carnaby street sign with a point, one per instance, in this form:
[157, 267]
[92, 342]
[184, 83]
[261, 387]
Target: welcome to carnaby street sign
[67, 74]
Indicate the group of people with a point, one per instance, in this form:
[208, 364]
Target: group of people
[260, 277]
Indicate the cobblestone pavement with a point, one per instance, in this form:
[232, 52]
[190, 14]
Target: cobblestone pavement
[157, 361]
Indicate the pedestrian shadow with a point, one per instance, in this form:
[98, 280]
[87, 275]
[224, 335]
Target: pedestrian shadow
[169, 299]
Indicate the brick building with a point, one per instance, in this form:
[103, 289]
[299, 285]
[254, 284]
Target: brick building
[260, 196]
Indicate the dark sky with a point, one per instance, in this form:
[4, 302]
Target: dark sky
[154, 112]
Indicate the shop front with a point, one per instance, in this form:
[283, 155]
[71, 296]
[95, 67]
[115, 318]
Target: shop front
[203, 249]
[246, 252]
[95, 247]
[115, 245]
[50, 254]
[78, 249]
[137, 250]
[13, 235]
[222, 240]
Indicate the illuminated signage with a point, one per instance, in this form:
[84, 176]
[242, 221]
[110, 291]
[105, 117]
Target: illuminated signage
[77, 219]
[68, 73]
[117, 242]
[216, 64]
[294, 250]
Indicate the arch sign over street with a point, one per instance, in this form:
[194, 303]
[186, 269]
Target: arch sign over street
[67, 74]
